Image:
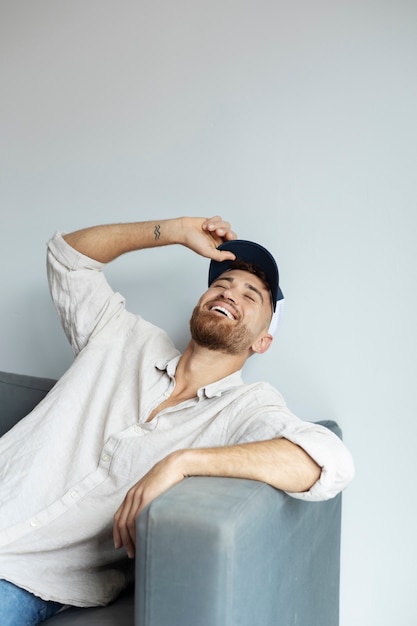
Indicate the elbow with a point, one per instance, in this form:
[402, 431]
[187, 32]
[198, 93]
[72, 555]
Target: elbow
[332, 480]
[336, 478]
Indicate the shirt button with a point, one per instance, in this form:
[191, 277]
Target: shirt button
[74, 494]
[137, 428]
[105, 458]
[33, 523]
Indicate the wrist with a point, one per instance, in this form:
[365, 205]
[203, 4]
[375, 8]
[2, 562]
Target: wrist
[188, 462]
[179, 227]
[183, 228]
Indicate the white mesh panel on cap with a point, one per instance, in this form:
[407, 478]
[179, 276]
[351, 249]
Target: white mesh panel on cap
[276, 318]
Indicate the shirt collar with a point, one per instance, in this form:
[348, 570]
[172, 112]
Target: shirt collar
[210, 391]
[168, 365]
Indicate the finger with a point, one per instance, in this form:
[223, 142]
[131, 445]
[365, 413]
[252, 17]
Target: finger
[128, 542]
[211, 222]
[230, 235]
[216, 225]
[117, 517]
[124, 529]
[117, 525]
[224, 255]
[130, 537]
[117, 539]
[224, 233]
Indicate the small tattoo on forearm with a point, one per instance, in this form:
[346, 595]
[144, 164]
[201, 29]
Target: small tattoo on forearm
[157, 232]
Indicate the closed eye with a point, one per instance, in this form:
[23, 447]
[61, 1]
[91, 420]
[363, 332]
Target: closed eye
[252, 293]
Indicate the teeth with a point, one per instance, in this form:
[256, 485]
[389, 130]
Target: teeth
[224, 311]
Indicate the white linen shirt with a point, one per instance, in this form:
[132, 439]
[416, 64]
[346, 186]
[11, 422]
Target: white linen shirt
[66, 467]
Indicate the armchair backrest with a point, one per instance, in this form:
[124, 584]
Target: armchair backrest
[19, 394]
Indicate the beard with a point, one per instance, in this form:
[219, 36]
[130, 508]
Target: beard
[210, 331]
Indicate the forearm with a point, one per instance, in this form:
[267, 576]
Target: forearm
[109, 241]
[278, 462]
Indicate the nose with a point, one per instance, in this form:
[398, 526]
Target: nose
[228, 294]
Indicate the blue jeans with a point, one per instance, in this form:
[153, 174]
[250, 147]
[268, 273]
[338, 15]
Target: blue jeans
[21, 608]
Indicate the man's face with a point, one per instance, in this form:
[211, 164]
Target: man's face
[232, 314]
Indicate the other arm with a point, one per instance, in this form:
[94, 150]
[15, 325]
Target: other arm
[278, 462]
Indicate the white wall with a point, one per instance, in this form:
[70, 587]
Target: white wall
[295, 120]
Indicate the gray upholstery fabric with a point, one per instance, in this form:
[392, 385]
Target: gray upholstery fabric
[237, 552]
[216, 551]
[120, 613]
[19, 394]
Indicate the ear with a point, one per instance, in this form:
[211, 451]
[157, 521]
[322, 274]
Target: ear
[262, 344]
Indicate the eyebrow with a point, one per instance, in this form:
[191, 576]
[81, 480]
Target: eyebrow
[230, 279]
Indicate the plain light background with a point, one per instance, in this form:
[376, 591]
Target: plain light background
[297, 122]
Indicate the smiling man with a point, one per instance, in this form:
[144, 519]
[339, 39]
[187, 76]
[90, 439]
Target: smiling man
[245, 291]
[133, 417]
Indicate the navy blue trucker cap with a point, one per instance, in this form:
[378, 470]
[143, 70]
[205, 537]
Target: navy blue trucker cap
[255, 254]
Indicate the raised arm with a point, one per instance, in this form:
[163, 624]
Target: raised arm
[107, 242]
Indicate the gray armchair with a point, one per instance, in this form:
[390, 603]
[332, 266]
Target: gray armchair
[216, 551]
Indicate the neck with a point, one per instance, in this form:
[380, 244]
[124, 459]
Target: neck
[199, 367]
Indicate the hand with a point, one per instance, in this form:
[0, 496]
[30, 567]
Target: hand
[162, 476]
[205, 235]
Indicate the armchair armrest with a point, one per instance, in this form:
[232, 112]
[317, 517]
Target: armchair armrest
[226, 551]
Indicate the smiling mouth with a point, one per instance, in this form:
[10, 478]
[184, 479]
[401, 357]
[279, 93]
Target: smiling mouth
[224, 311]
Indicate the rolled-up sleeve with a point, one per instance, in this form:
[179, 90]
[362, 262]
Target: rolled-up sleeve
[262, 414]
[329, 452]
[82, 296]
